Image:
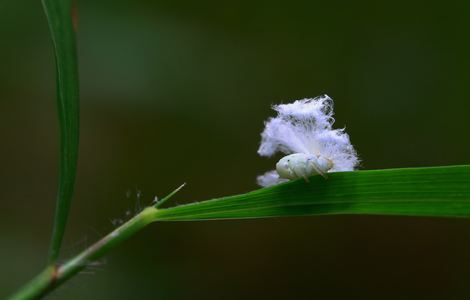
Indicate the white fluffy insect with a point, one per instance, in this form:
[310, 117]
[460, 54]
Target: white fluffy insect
[303, 130]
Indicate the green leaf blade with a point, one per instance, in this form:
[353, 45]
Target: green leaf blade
[59, 17]
[435, 191]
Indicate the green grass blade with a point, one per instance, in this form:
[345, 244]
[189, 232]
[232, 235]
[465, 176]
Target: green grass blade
[435, 191]
[58, 14]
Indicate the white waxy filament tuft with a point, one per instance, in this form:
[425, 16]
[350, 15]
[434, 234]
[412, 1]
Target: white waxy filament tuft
[303, 130]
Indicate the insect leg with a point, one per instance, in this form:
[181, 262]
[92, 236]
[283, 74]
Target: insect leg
[297, 175]
[314, 166]
[305, 174]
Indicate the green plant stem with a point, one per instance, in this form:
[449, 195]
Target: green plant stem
[54, 275]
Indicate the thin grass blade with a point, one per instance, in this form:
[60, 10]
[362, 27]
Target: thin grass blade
[61, 27]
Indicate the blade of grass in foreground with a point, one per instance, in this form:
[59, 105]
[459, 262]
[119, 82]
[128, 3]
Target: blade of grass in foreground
[58, 14]
[436, 191]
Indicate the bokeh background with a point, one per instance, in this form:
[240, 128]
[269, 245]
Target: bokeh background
[177, 91]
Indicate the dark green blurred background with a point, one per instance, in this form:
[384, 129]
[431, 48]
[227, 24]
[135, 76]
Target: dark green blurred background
[177, 91]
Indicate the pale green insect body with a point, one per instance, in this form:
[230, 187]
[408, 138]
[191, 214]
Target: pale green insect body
[301, 165]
